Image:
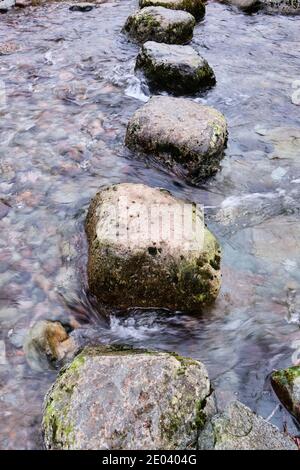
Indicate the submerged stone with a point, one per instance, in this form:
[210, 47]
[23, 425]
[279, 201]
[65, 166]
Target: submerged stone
[133, 264]
[47, 344]
[286, 384]
[84, 6]
[126, 399]
[173, 68]
[183, 135]
[239, 428]
[195, 7]
[161, 25]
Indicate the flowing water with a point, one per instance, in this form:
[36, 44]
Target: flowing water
[67, 91]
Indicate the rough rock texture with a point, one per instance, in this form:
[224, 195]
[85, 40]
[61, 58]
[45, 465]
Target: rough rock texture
[185, 136]
[283, 7]
[147, 269]
[120, 398]
[173, 68]
[47, 344]
[286, 384]
[195, 7]
[161, 25]
[238, 428]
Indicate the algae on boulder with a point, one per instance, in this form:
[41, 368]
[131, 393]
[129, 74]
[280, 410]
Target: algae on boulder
[182, 134]
[173, 68]
[125, 399]
[195, 7]
[161, 25]
[286, 384]
[239, 428]
[179, 269]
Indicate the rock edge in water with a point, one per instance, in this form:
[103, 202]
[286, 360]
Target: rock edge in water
[286, 384]
[161, 25]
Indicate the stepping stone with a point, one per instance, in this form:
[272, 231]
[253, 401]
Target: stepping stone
[161, 25]
[195, 7]
[82, 7]
[173, 68]
[184, 135]
[138, 257]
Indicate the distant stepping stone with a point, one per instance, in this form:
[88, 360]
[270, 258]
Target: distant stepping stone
[173, 68]
[82, 7]
[195, 7]
[184, 135]
[161, 25]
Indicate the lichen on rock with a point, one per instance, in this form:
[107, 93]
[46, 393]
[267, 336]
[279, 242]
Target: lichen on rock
[286, 384]
[122, 398]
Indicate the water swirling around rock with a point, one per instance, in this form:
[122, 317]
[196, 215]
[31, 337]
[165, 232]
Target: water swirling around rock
[70, 90]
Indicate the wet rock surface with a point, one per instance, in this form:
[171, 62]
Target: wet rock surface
[195, 7]
[185, 136]
[48, 344]
[132, 265]
[238, 428]
[173, 68]
[286, 384]
[161, 25]
[82, 7]
[133, 399]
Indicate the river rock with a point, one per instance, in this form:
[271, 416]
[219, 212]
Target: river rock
[195, 7]
[249, 6]
[286, 384]
[283, 7]
[47, 344]
[239, 428]
[161, 25]
[173, 68]
[82, 7]
[132, 264]
[182, 134]
[126, 399]
[5, 5]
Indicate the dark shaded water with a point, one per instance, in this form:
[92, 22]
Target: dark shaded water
[70, 90]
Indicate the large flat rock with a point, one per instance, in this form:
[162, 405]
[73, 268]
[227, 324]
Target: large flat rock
[195, 7]
[118, 398]
[173, 68]
[150, 249]
[182, 134]
[161, 25]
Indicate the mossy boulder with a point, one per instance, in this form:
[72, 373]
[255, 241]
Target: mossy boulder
[161, 25]
[175, 69]
[132, 264]
[195, 7]
[286, 384]
[239, 428]
[184, 135]
[125, 399]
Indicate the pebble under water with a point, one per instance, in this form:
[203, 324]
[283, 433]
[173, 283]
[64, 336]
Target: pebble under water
[70, 90]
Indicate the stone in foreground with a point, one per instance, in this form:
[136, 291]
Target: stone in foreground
[161, 25]
[286, 384]
[173, 68]
[195, 7]
[238, 428]
[132, 263]
[125, 399]
[186, 136]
